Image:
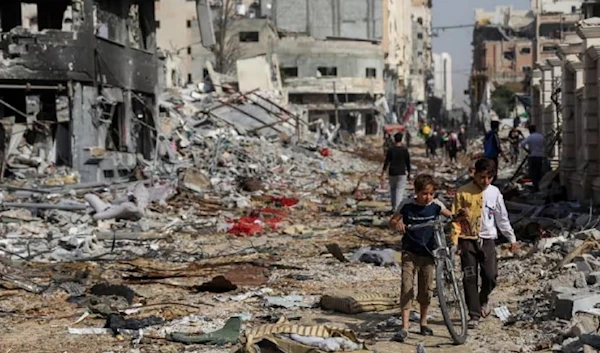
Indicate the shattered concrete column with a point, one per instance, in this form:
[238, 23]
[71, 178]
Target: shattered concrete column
[556, 82]
[571, 119]
[83, 131]
[546, 106]
[129, 118]
[590, 170]
[536, 112]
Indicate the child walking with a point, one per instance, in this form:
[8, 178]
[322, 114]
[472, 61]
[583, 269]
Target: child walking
[475, 237]
[417, 248]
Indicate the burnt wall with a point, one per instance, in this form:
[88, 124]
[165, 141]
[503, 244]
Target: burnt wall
[120, 51]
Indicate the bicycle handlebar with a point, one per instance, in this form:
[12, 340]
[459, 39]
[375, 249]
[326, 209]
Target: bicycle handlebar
[436, 222]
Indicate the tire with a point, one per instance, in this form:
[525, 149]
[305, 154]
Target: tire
[445, 278]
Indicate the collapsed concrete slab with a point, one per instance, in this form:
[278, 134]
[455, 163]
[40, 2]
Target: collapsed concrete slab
[567, 304]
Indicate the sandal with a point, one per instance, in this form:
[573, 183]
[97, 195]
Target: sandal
[400, 336]
[472, 324]
[485, 310]
[426, 331]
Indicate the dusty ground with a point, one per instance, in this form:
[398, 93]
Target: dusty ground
[297, 264]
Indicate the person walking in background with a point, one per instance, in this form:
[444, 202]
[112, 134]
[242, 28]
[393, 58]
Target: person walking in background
[432, 145]
[443, 143]
[536, 147]
[397, 164]
[462, 139]
[388, 142]
[452, 146]
[514, 137]
[492, 148]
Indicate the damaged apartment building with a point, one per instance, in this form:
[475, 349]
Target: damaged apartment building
[565, 90]
[78, 82]
[329, 53]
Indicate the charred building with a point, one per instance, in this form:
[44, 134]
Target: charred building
[78, 81]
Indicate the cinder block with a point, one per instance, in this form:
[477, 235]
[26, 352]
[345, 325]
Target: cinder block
[593, 278]
[568, 304]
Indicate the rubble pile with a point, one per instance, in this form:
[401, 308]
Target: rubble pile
[205, 166]
[231, 238]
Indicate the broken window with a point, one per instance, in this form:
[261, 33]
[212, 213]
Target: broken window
[594, 10]
[133, 27]
[288, 72]
[509, 55]
[420, 35]
[526, 50]
[52, 15]
[29, 16]
[111, 23]
[145, 21]
[189, 78]
[205, 74]
[247, 37]
[526, 69]
[420, 20]
[115, 138]
[327, 71]
[144, 125]
[549, 48]
[10, 15]
[370, 72]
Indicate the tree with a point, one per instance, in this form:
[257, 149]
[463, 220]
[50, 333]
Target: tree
[503, 101]
[227, 49]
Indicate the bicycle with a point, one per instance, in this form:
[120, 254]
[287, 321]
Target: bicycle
[448, 289]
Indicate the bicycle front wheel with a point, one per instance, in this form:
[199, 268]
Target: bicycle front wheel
[452, 300]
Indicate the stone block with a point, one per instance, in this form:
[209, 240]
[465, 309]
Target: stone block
[592, 263]
[586, 322]
[593, 278]
[580, 280]
[594, 233]
[568, 304]
[557, 291]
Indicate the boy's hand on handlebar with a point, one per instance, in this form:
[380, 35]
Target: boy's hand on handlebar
[400, 226]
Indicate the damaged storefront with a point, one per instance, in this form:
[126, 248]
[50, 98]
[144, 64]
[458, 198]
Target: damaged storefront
[77, 86]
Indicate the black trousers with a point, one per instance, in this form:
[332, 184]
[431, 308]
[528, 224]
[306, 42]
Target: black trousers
[535, 171]
[495, 174]
[478, 258]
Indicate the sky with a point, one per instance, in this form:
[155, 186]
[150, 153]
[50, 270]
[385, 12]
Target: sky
[457, 42]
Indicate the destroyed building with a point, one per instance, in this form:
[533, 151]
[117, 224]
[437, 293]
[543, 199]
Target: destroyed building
[552, 28]
[78, 82]
[422, 62]
[329, 53]
[178, 37]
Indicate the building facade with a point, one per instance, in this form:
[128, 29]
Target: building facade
[86, 71]
[442, 66]
[422, 60]
[571, 76]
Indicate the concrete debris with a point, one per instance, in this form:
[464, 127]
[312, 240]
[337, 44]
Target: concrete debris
[247, 207]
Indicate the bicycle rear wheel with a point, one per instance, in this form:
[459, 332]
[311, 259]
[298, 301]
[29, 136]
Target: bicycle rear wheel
[452, 300]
